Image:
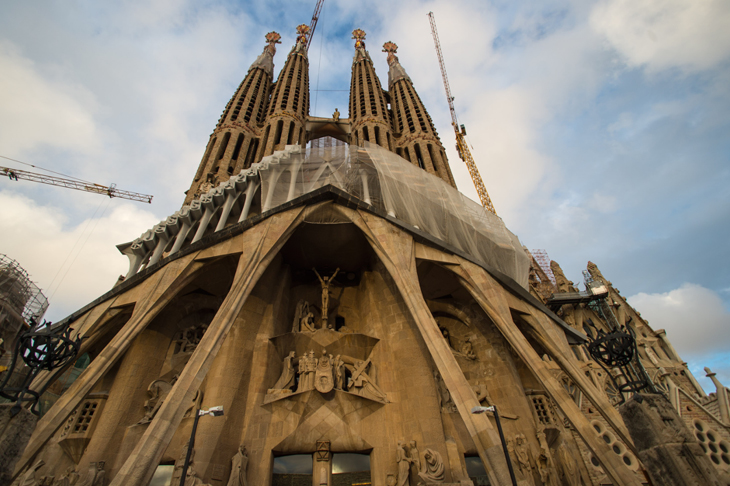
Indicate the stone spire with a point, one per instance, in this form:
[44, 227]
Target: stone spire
[289, 105]
[235, 140]
[368, 107]
[416, 139]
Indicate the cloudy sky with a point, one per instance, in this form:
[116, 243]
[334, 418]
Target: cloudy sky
[600, 129]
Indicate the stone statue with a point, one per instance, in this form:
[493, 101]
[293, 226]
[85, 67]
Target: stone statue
[307, 370]
[28, 478]
[404, 465]
[300, 312]
[415, 459]
[288, 376]
[433, 467]
[158, 391]
[544, 459]
[363, 384]
[323, 379]
[482, 393]
[307, 323]
[447, 404]
[339, 373]
[100, 477]
[188, 339]
[239, 466]
[325, 282]
[336, 115]
[570, 471]
[467, 349]
[69, 478]
[523, 457]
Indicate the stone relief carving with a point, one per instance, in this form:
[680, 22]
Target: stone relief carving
[301, 311]
[522, 454]
[188, 339]
[364, 381]
[544, 460]
[307, 370]
[158, 391]
[415, 459]
[433, 467]
[445, 401]
[96, 475]
[239, 468]
[323, 380]
[69, 478]
[568, 466]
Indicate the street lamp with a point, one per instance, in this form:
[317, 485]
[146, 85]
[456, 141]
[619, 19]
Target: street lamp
[493, 409]
[215, 412]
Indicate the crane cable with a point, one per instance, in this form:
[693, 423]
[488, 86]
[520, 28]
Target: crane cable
[47, 170]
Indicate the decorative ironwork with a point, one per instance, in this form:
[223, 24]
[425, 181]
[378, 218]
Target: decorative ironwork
[43, 348]
[616, 352]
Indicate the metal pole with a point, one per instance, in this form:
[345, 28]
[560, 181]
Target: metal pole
[191, 444]
[504, 447]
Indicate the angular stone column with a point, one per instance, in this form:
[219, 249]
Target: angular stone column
[667, 448]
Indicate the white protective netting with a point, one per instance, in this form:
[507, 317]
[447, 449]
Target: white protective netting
[392, 184]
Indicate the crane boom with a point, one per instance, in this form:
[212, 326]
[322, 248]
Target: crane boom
[111, 191]
[313, 24]
[461, 147]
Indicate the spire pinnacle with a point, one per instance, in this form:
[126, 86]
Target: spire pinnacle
[359, 36]
[391, 48]
[395, 71]
[265, 60]
[302, 30]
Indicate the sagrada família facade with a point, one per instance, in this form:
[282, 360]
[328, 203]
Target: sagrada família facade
[328, 287]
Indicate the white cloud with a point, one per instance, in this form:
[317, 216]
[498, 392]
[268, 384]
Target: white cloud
[36, 109]
[688, 34]
[683, 312]
[83, 254]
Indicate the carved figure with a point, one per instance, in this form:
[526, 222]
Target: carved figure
[188, 339]
[404, 465]
[336, 115]
[571, 473]
[415, 459]
[239, 466]
[544, 460]
[467, 349]
[323, 380]
[523, 458]
[325, 282]
[28, 478]
[482, 393]
[307, 370]
[69, 478]
[288, 376]
[339, 372]
[301, 311]
[447, 404]
[364, 384]
[433, 467]
[307, 322]
[158, 391]
[100, 477]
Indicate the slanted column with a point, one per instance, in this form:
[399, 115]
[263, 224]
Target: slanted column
[722, 399]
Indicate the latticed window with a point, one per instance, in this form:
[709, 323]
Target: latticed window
[86, 415]
[542, 410]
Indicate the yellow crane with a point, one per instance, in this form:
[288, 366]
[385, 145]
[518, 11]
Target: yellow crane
[460, 131]
[79, 185]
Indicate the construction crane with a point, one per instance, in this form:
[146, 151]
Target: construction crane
[461, 146]
[111, 191]
[313, 24]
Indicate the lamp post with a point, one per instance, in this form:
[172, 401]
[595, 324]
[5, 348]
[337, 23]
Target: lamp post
[215, 412]
[493, 409]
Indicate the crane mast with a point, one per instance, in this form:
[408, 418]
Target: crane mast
[313, 24]
[111, 191]
[461, 146]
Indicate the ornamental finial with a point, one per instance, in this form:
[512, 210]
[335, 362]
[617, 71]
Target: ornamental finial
[272, 38]
[359, 36]
[391, 48]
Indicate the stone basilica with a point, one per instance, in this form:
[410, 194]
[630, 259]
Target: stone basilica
[328, 287]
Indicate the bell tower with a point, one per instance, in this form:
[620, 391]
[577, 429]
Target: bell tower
[369, 117]
[416, 139]
[289, 106]
[235, 141]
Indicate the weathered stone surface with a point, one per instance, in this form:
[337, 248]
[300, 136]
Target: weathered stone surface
[15, 431]
[669, 452]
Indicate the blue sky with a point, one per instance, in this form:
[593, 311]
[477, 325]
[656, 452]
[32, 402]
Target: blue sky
[600, 129]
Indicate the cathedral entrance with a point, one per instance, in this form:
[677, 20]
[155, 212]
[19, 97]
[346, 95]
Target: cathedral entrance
[342, 469]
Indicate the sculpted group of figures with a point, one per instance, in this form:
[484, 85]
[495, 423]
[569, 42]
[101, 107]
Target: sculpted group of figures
[307, 372]
[543, 463]
[428, 470]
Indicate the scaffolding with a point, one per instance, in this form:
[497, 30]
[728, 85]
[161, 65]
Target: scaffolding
[18, 294]
[542, 259]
